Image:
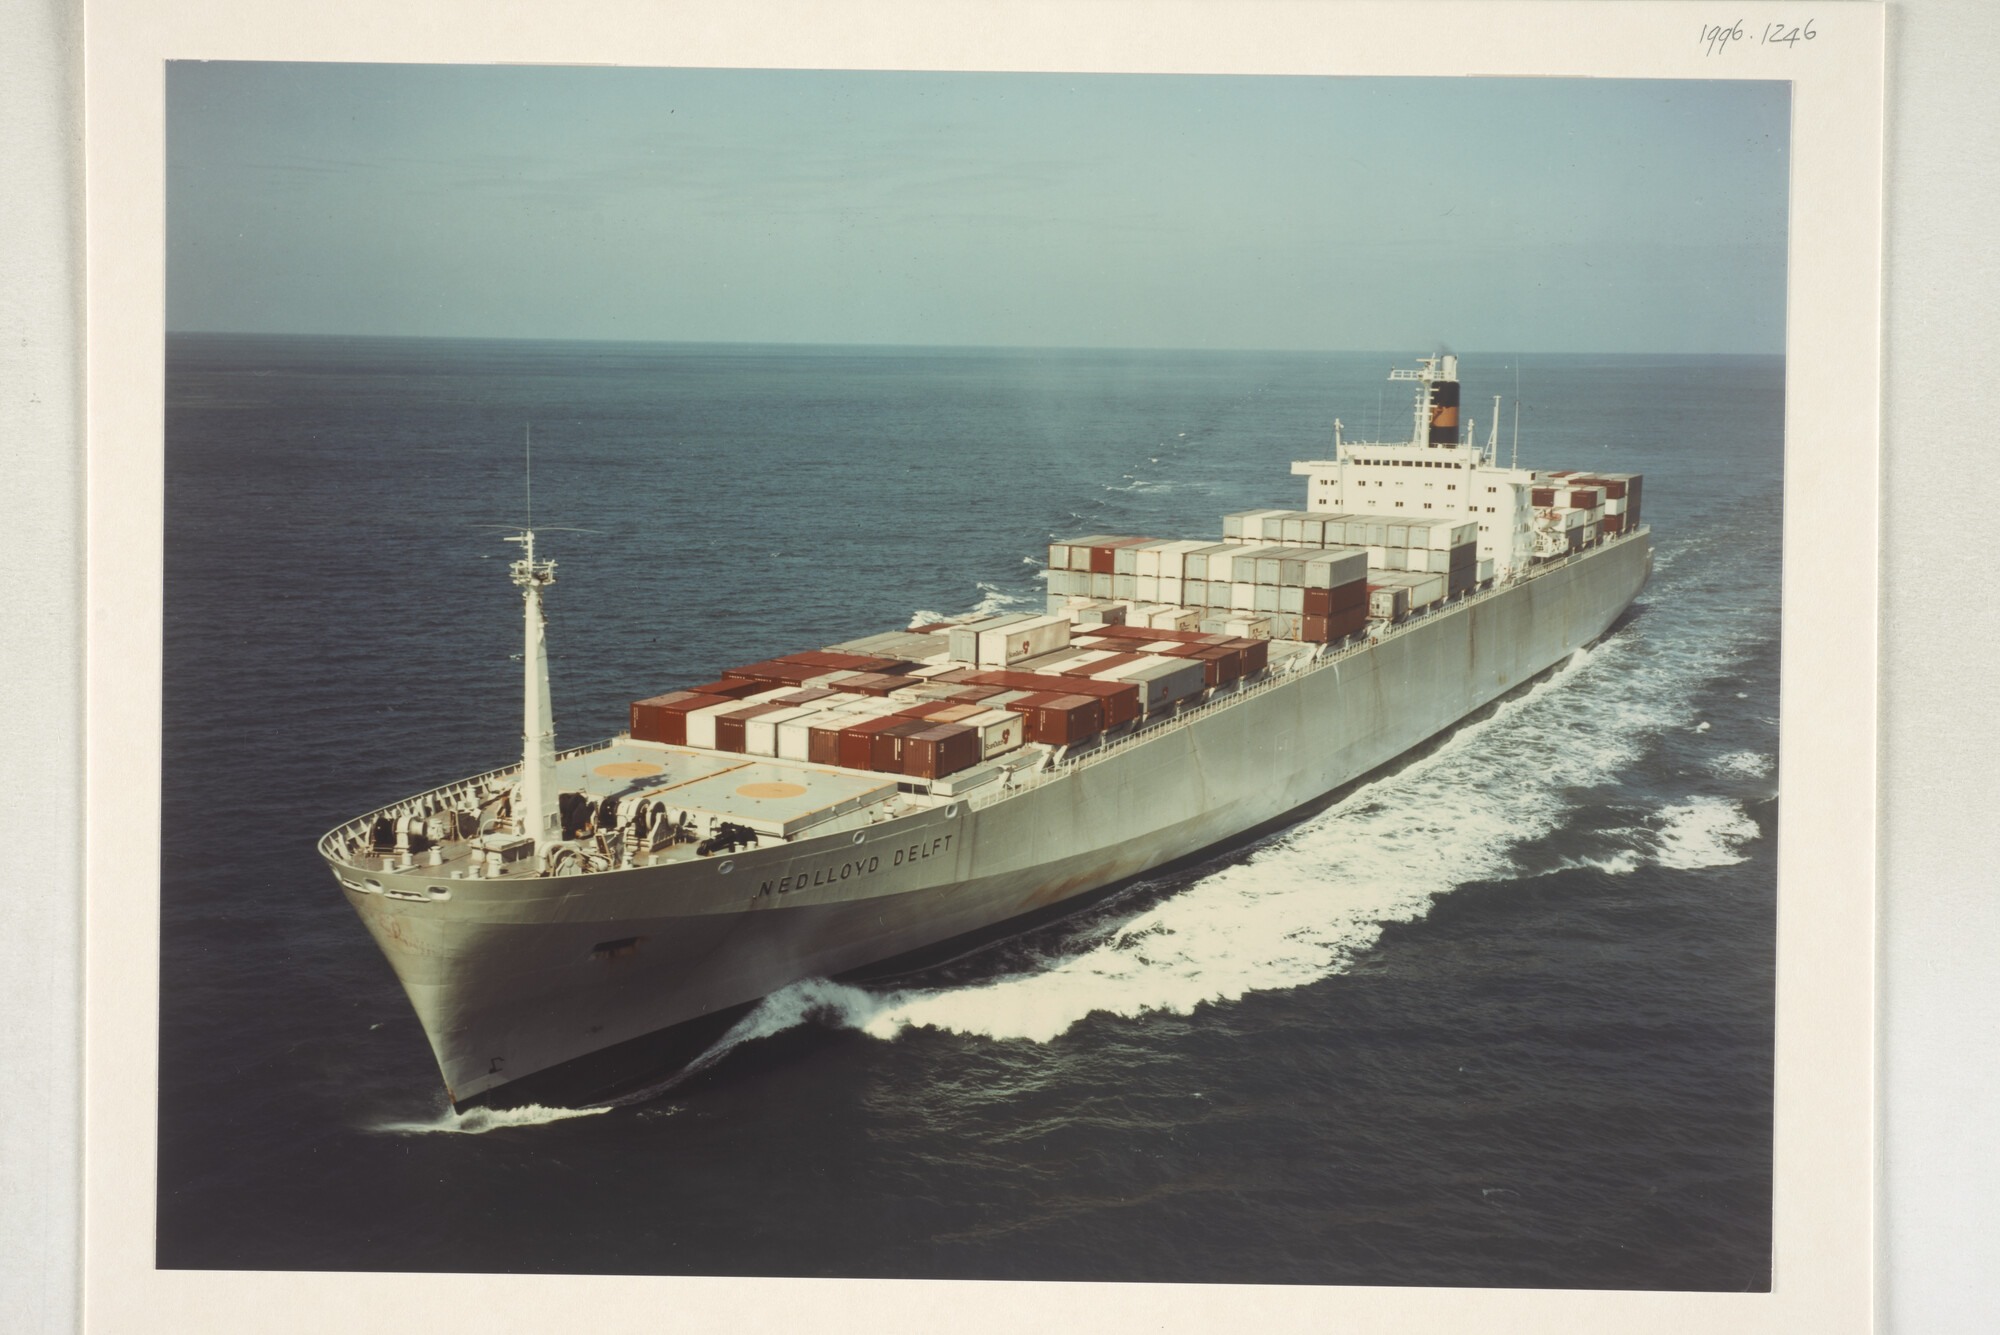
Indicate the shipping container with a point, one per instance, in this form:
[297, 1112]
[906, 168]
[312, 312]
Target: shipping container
[1242, 597]
[1194, 563]
[649, 717]
[1249, 627]
[999, 730]
[1328, 630]
[964, 640]
[1166, 682]
[1267, 598]
[1194, 593]
[737, 688]
[730, 725]
[821, 658]
[1459, 580]
[760, 732]
[664, 717]
[1388, 602]
[1334, 567]
[1327, 602]
[1026, 638]
[1104, 555]
[1292, 599]
[1287, 625]
[1121, 700]
[1485, 569]
[939, 751]
[1393, 558]
[1065, 719]
[886, 745]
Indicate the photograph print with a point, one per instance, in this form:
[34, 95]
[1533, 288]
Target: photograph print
[872, 674]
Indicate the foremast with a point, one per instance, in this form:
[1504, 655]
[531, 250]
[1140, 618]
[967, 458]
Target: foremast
[536, 807]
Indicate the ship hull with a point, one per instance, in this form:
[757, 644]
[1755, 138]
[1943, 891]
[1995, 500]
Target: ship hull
[519, 979]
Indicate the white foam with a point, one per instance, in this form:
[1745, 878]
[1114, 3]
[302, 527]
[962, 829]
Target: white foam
[1705, 832]
[478, 1121]
[1746, 763]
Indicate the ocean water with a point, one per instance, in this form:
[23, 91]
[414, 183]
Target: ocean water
[1500, 1017]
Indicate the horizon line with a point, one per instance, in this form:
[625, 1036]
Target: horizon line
[964, 347]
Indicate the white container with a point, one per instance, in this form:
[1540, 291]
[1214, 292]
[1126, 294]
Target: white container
[701, 723]
[1177, 618]
[1149, 587]
[1287, 626]
[1164, 682]
[1395, 558]
[1194, 593]
[1100, 586]
[1000, 730]
[829, 681]
[1270, 568]
[1486, 570]
[1249, 628]
[964, 640]
[1242, 596]
[1430, 559]
[1146, 556]
[1292, 598]
[760, 735]
[1171, 590]
[1267, 597]
[1378, 557]
[1173, 556]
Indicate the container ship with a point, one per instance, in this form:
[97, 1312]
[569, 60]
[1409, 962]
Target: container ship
[573, 926]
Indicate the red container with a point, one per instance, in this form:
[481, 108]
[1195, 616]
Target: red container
[1101, 558]
[1064, 719]
[1325, 630]
[939, 751]
[857, 741]
[1541, 496]
[649, 717]
[1154, 633]
[1328, 602]
[729, 728]
[827, 661]
[1612, 524]
[823, 744]
[671, 718]
[805, 697]
[878, 684]
[1121, 698]
[737, 687]
[1102, 665]
[886, 745]
[957, 713]
[928, 709]
[1256, 654]
[1583, 500]
[773, 673]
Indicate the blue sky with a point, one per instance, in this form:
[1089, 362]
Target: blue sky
[986, 209]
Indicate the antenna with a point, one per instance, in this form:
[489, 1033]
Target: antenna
[528, 448]
[1493, 435]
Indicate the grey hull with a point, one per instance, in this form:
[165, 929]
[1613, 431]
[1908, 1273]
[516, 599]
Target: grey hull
[514, 977]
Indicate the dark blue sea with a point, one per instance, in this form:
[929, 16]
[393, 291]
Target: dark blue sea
[1502, 1016]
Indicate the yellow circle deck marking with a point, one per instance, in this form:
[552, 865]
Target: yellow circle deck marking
[772, 790]
[629, 769]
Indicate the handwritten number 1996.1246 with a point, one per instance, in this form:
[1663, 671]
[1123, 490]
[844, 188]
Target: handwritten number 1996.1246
[1717, 37]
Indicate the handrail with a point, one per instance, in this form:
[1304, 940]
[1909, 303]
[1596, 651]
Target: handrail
[329, 841]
